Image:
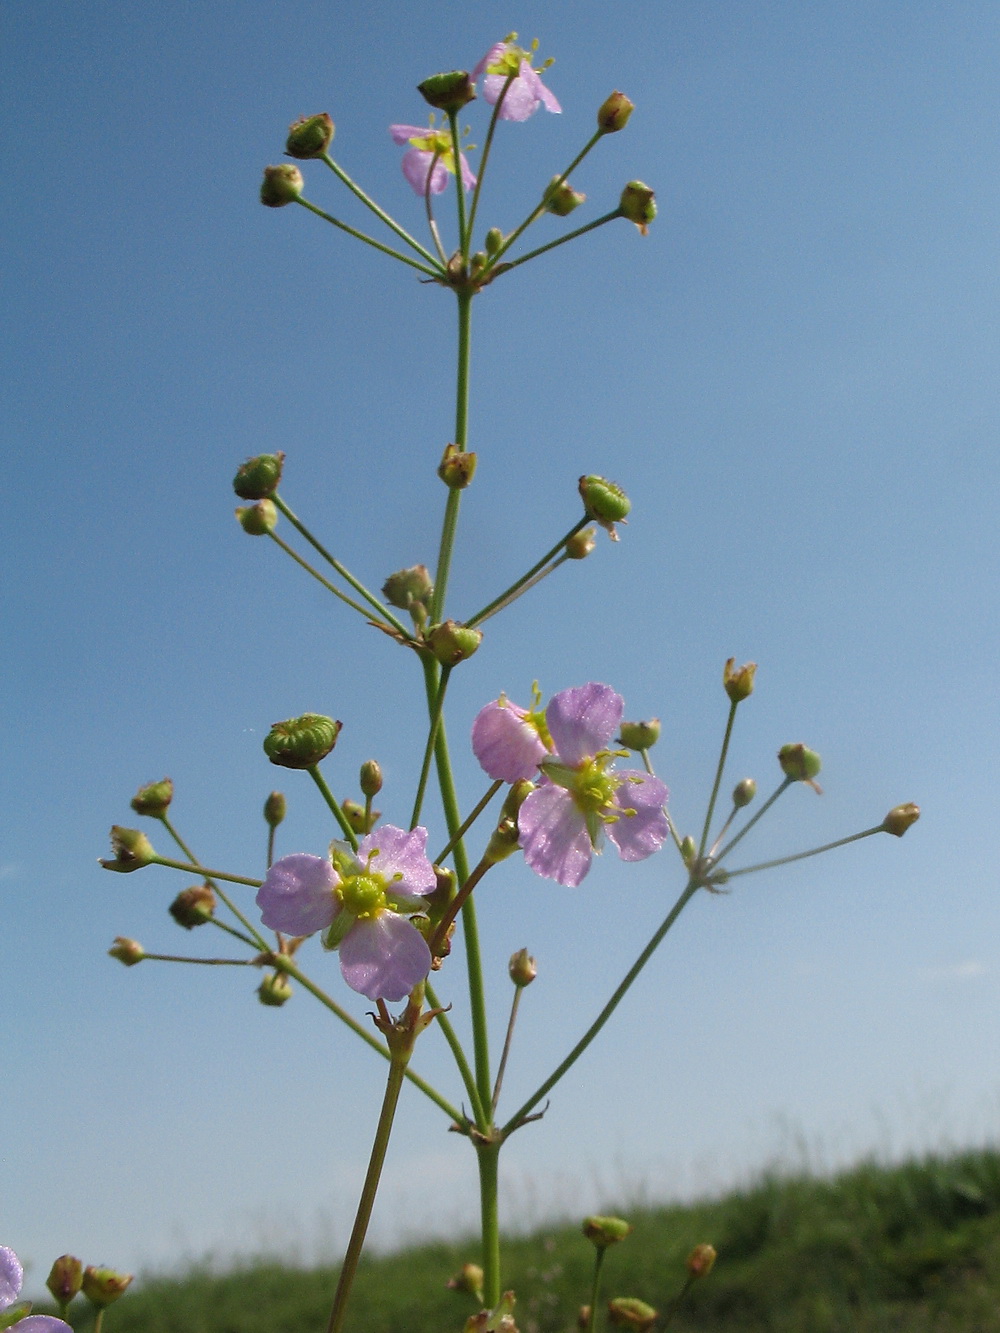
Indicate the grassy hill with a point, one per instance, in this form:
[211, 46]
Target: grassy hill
[914, 1247]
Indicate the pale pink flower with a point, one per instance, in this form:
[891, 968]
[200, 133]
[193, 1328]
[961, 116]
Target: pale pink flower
[525, 94]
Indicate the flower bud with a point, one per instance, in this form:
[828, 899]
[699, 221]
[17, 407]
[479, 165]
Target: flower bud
[516, 797]
[441, 895]
[799, 763]
[127, 951]
[274, 990]
[900, 817]
[408, 587]
[194, 906]
[370, 778]
[65, 1279]
[494, 240]
[132, 850]
[613, 114]
[583, 1318]
[457, 468]
[310, 136]
[281, 185]
[301, 742]
[627, 1312]
[560, 198]
[700, 1261]
[448, 92]
[639, 735]
[738, 681]
[469, 1279]
[259, 519]
[258, 477]
[580, 545]
[638, 205]
[452, 643]
[522, 968]
[153, 799]
[689, 850]
[356, 816]
[606, 503]
[275, 809]
[103, 1286]
[605, 1231]
[504, 841]
[744, 792]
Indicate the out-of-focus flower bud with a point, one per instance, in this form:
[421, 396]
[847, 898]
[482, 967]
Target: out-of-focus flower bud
[281, 185]
[370, 777]
[65, 1279]
[452, 643]
[127, 951]
[738, 681]
[628, 1312]
[605, 1231]
[900, 817]
[638, 205]
[408, 587]
[194, 906]
[103, 1286]
[494, 240]
[275, 809]
[581, 544]
[257, 520]
[439, 897]
[561, 198]
[301, 742]
[689, 850]
[744, 792]
[504, 841]
[640, 735]
[258, 478]
[153, 799]
[799, 763]
[457, 468]
[468, 1279]
[613, 113]
[583, 1318]
[606, 503]
[701, 1259]
[522, 968]
[355, 815]
[448, 92]
[132, 850]
[274, 990]
[310, 136]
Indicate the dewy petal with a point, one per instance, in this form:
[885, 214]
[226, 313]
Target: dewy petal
[417, 163]
[583, 720]
[554, 835]
[468, 178]
[404, 133]
[640, 835]
[43, 1323]
[402, 853]
[490, 58]
[11, 1277]
[384, 957]
[297, 895]
[508, 749]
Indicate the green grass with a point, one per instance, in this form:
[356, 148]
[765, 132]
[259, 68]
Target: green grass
[912, 1248]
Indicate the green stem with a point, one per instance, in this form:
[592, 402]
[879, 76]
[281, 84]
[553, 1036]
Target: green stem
[522, 583]
[429, 210]
[502, 1067]
[486, 155]
[595, 1287]
[370, 240]
[451, 1037]
[477, 810]
[802, 856]
[270, 846]
[209, 876]
[212, 875]
[231, 930]
[461, 441]
[456, 147]
[207, 962]
[334, 805]
[390, 222]
[488, 1155]
[331, 587]
[519, 1116]
[718, 777]
[457, 904]
[435, 722]
[561, 240]
[759, 815]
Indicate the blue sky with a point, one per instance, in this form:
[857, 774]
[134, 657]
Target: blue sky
[794, 376]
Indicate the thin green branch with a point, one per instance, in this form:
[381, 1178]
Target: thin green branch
[435, 722]
[434, 272]
[733, 705]
[484, 159]
[783, 787]
[802, 856]
[561, 240]
[390, 222]
[477, 810]
[334, 805]
[462, 1064]
[522, 583]
[456, 147]
[208, 876]
[331, 587]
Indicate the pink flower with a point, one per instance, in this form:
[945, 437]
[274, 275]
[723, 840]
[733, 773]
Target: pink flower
[11, 1277]
[362, 901]
[510, 742]
[525, 94]
[428, 145]
[562, 823]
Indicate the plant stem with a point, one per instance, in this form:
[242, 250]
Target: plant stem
[435, 722]
[501, 1069]
[213, 875]
[759, 815]
[331, 587]
[463, 232]
[520, 586]
[461, 441]
[595, 1286]
[451, 1037]
[487, 1156]
[208, 875]
[369, 240]
[801, 856]
[379, 213]
[477, 810]
[207, 962]
[561, 240]
[486, 155]
[334, 805]
[718, 777]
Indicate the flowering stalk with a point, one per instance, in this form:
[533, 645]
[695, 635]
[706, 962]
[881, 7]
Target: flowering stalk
[435, 722]
[802, 856]
[208, 877]
[331, 587]
[782, 787]
[462, 1064]
[380, 213]
[463, 237]
[485, 157]
[733, 705]
[561, 240]
[334, 805]
[369, 240]
[470, 819]
[453, 503]
[527, 580]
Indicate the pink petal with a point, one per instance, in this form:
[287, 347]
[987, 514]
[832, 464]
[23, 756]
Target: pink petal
[297, 895]
[583, 720]
[554, 835]
[640, 835]
[508, 749]
[404, 133]
[520, 101]
[403, 853]
[416, 164]
[384, 957]
[11, 1276]
[490, 58]
[43, 1323]
[468, 179]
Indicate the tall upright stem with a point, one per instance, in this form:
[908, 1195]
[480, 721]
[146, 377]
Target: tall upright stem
[461, 441]
[488, 1158]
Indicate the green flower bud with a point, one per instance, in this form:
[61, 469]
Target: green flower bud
[452, 643]
[441, 895]
[103, 1286]
[310, 136]
[689, 850]
[738, 681]
[606, 503]
[799, 763]
[448, 92]
[281, 185]
[494, 240]
[65, 1279]
[504, 841]
[613, 114]
[900, 817]
[581, 544]
[640, 735]
[408, 587]
[275, 809]
[744, 792]
[370, 777]
[153, 799]
[258, 477]
[560, 198]
[701, 1260]
[355, 815]
[193, 907]
[468, 1279]
[522, 968]
[457, 468]
[516, 797]
[605, 1231]
[627, 1312]
[638, 205]
[127, 951]
[132, 850]
[274, 990]
[259, 519]
[301, 742]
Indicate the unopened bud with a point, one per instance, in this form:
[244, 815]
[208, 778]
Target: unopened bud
[738, 681]
[441, 895]
[259, 519]
[561, 198]
[194, 906]
[605, 1231]
[522, 968]
[613, 114]
[281, 185]
[457, 468]
[360, 820]
[583, 1318]
[301, 742]
[65, 1279]
[310, 136]
[799, 763]
[370, 778]
[132, 850]
[448, 92]
[628, 1312]
[580, 545]
[689, 850]
[153, 799]
[504, 841]
[275, 809]
[638, 205]
[606, 503]
[468, 1279]
[699, 1262]
[408, 587]
[639, 735]
[274, 990]
[900, 817]
[127, 951]
[452, 643]
[258, 478]
[744, 792]
[103, 1286]
[494, 240]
